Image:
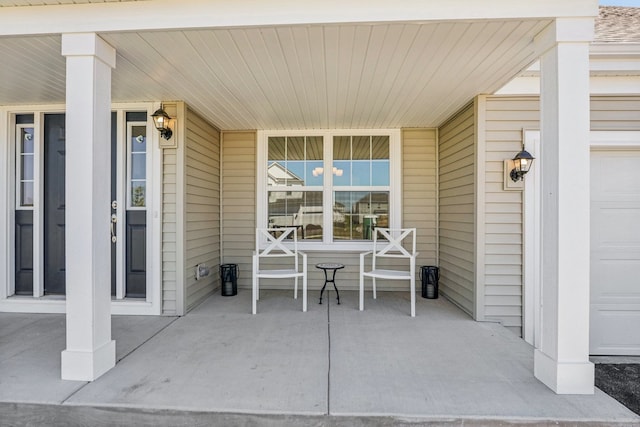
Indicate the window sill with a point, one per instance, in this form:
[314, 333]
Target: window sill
[359, 246]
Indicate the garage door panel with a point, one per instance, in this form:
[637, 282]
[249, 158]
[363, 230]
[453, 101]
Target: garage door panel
[616, 173]
[620, 280]
[611, 332]
[615, 253]
[619, 226]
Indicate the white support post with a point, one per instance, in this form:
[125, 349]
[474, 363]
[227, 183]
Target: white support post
[90, 350]
[562, 360]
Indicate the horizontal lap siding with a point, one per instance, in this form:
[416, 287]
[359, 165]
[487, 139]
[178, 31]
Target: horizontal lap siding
[202, 214]
[169, 246]
[238, 210]
[615, 113]
[239, 202]
[456, 152]
[419, 189]
[506, 117]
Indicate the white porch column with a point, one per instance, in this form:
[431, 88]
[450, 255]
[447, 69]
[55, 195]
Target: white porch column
[90, 350]
[562, 361]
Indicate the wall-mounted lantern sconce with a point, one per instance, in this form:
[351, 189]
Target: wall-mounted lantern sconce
[161, 121]
[521, 165]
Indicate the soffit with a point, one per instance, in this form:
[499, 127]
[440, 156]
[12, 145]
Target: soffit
[382, 75]
[13, 3]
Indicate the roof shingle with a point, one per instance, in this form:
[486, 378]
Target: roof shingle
[617, 24]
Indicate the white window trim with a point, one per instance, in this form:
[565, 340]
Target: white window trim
[395, 186]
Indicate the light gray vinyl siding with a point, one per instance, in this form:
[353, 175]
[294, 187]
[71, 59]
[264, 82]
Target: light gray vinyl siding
[456, 152]
[202, 213]
[238, 169]
[169, 224]
[419, 189]
[615, 113]
[506, 117]
[238, 211]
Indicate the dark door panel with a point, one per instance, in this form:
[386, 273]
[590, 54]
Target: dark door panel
[54, 204]
[114, 194]
[24, 252]
[136, 249]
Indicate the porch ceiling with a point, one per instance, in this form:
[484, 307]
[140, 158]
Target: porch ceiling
[12, 3]
[378, 75]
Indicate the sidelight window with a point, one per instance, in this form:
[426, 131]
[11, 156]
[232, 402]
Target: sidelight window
[137, 164]
[25, 166]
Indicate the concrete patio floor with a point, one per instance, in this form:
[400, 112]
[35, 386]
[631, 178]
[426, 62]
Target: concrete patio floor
[333, 365]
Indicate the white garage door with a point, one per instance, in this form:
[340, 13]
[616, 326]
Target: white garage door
[615, 252]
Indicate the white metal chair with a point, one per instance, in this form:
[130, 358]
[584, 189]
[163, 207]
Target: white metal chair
[388, 243]
[280, 243]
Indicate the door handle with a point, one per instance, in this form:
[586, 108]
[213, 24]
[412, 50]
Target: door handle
[114, 219]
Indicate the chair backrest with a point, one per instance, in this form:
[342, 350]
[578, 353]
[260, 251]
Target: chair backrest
[275, 239]
[400, 243]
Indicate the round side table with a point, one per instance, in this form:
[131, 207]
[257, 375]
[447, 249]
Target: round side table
[333, 267]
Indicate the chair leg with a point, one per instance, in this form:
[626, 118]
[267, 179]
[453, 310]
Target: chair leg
[295, 289]
[413, 296]
[304, 292]
[361, 290]
[254, 299]
[374, 289]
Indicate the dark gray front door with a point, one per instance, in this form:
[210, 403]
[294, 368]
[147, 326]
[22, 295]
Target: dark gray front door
[54, 203]
[133, 242]
[114, 197]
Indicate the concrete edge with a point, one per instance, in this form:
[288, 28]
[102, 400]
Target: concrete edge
[17, 414]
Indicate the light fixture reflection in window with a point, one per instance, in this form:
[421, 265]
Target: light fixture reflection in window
[319, 171]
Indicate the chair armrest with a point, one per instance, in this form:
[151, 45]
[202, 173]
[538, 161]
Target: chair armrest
[304, 260]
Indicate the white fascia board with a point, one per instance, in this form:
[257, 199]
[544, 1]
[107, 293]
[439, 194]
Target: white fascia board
[598, 85]
[615, 66]
[191, 14]
[614, 49]
[604, 57]
[565, 30]
[614, 58]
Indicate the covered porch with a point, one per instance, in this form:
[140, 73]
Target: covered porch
[229, 76]
[333, 365]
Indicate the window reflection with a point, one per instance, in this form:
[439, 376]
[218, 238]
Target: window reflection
[301, 209]
[359, 177]
[295, 161]
[26, 191]
[137, 166]
[361, 160]
[361, 212]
